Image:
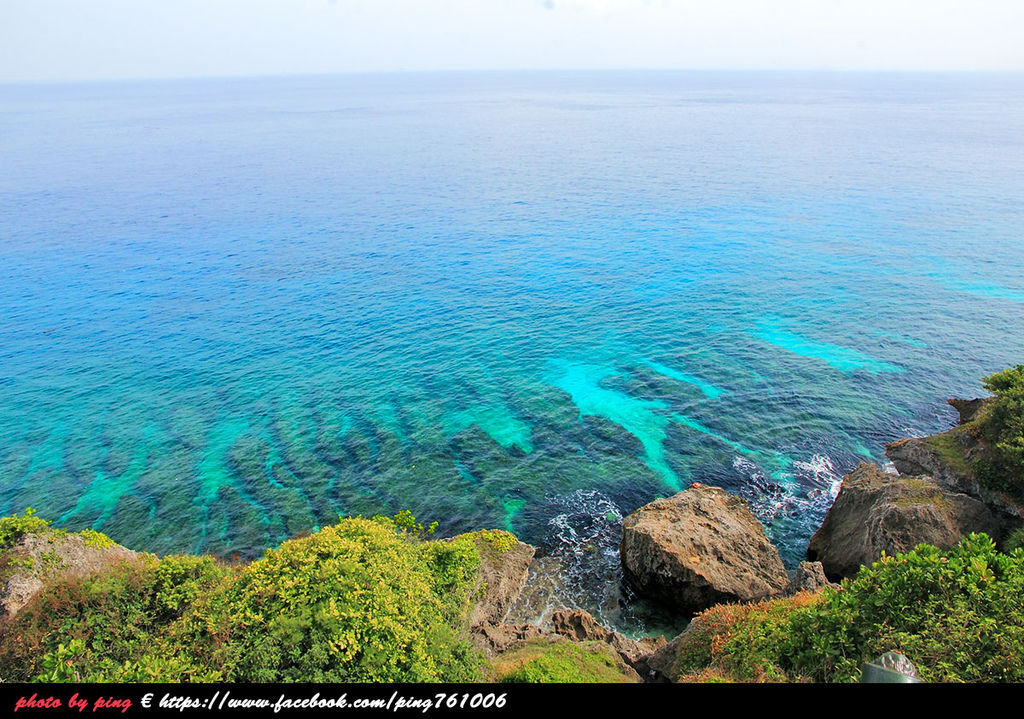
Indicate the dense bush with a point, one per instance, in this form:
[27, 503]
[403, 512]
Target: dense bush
[13, 528]
[956, 614]
[364, 600]
[111, 626]
[355, 602]
[1003, 426]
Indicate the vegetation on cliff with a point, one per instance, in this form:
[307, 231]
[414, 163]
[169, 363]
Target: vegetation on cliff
[363, 600]
[381, 600]
[956, 614]
[1002, 425]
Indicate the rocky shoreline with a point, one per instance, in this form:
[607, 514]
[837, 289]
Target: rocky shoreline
[698, 549]
[703, 547]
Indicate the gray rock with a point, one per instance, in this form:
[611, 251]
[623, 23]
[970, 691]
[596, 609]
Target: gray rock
[808, 577]
[877, 512]
[952, 470]
[580, 626]
[920, 456]
[502, 576]
[500, 580]
[698, 548]
[969, 409]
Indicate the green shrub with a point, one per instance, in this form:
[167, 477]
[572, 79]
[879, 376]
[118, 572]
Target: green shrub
[365, 600]
[956, 614]
[355, 602]
[180, 580]
[1003, 426]
[13, 528]
[107, 627]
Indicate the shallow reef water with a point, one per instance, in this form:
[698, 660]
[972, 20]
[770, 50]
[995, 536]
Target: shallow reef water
[233, 310]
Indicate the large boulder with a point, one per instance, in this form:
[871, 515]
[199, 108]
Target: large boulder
[877, 512]
[38, 558]
[698, 548]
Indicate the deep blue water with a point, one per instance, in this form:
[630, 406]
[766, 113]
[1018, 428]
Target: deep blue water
[234, 310]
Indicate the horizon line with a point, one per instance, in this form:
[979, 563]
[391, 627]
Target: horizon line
[5, 82]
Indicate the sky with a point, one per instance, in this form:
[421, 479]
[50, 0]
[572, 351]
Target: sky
[70, 40]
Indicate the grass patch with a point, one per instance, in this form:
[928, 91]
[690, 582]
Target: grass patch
[951, 449]
[562, 662]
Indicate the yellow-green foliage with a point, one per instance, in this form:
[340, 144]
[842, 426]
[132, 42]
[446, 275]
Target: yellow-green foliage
[356, 602]
[406, 522]
[562, 662]
[180, 580]
[16, 526]
[497, 539]
[96, 540]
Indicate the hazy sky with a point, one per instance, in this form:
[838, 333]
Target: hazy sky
[86, 39]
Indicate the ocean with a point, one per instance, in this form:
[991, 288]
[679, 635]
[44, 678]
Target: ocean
[233, 310]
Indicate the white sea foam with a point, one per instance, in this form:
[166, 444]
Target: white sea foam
[583, 537]
[821, 471]
[789, 510]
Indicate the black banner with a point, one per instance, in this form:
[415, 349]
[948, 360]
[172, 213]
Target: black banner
[412, 700]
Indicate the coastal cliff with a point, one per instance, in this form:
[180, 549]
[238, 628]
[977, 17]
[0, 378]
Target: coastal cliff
[382, 600]
[364, 600]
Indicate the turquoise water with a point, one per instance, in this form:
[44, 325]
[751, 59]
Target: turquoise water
[235, 310]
